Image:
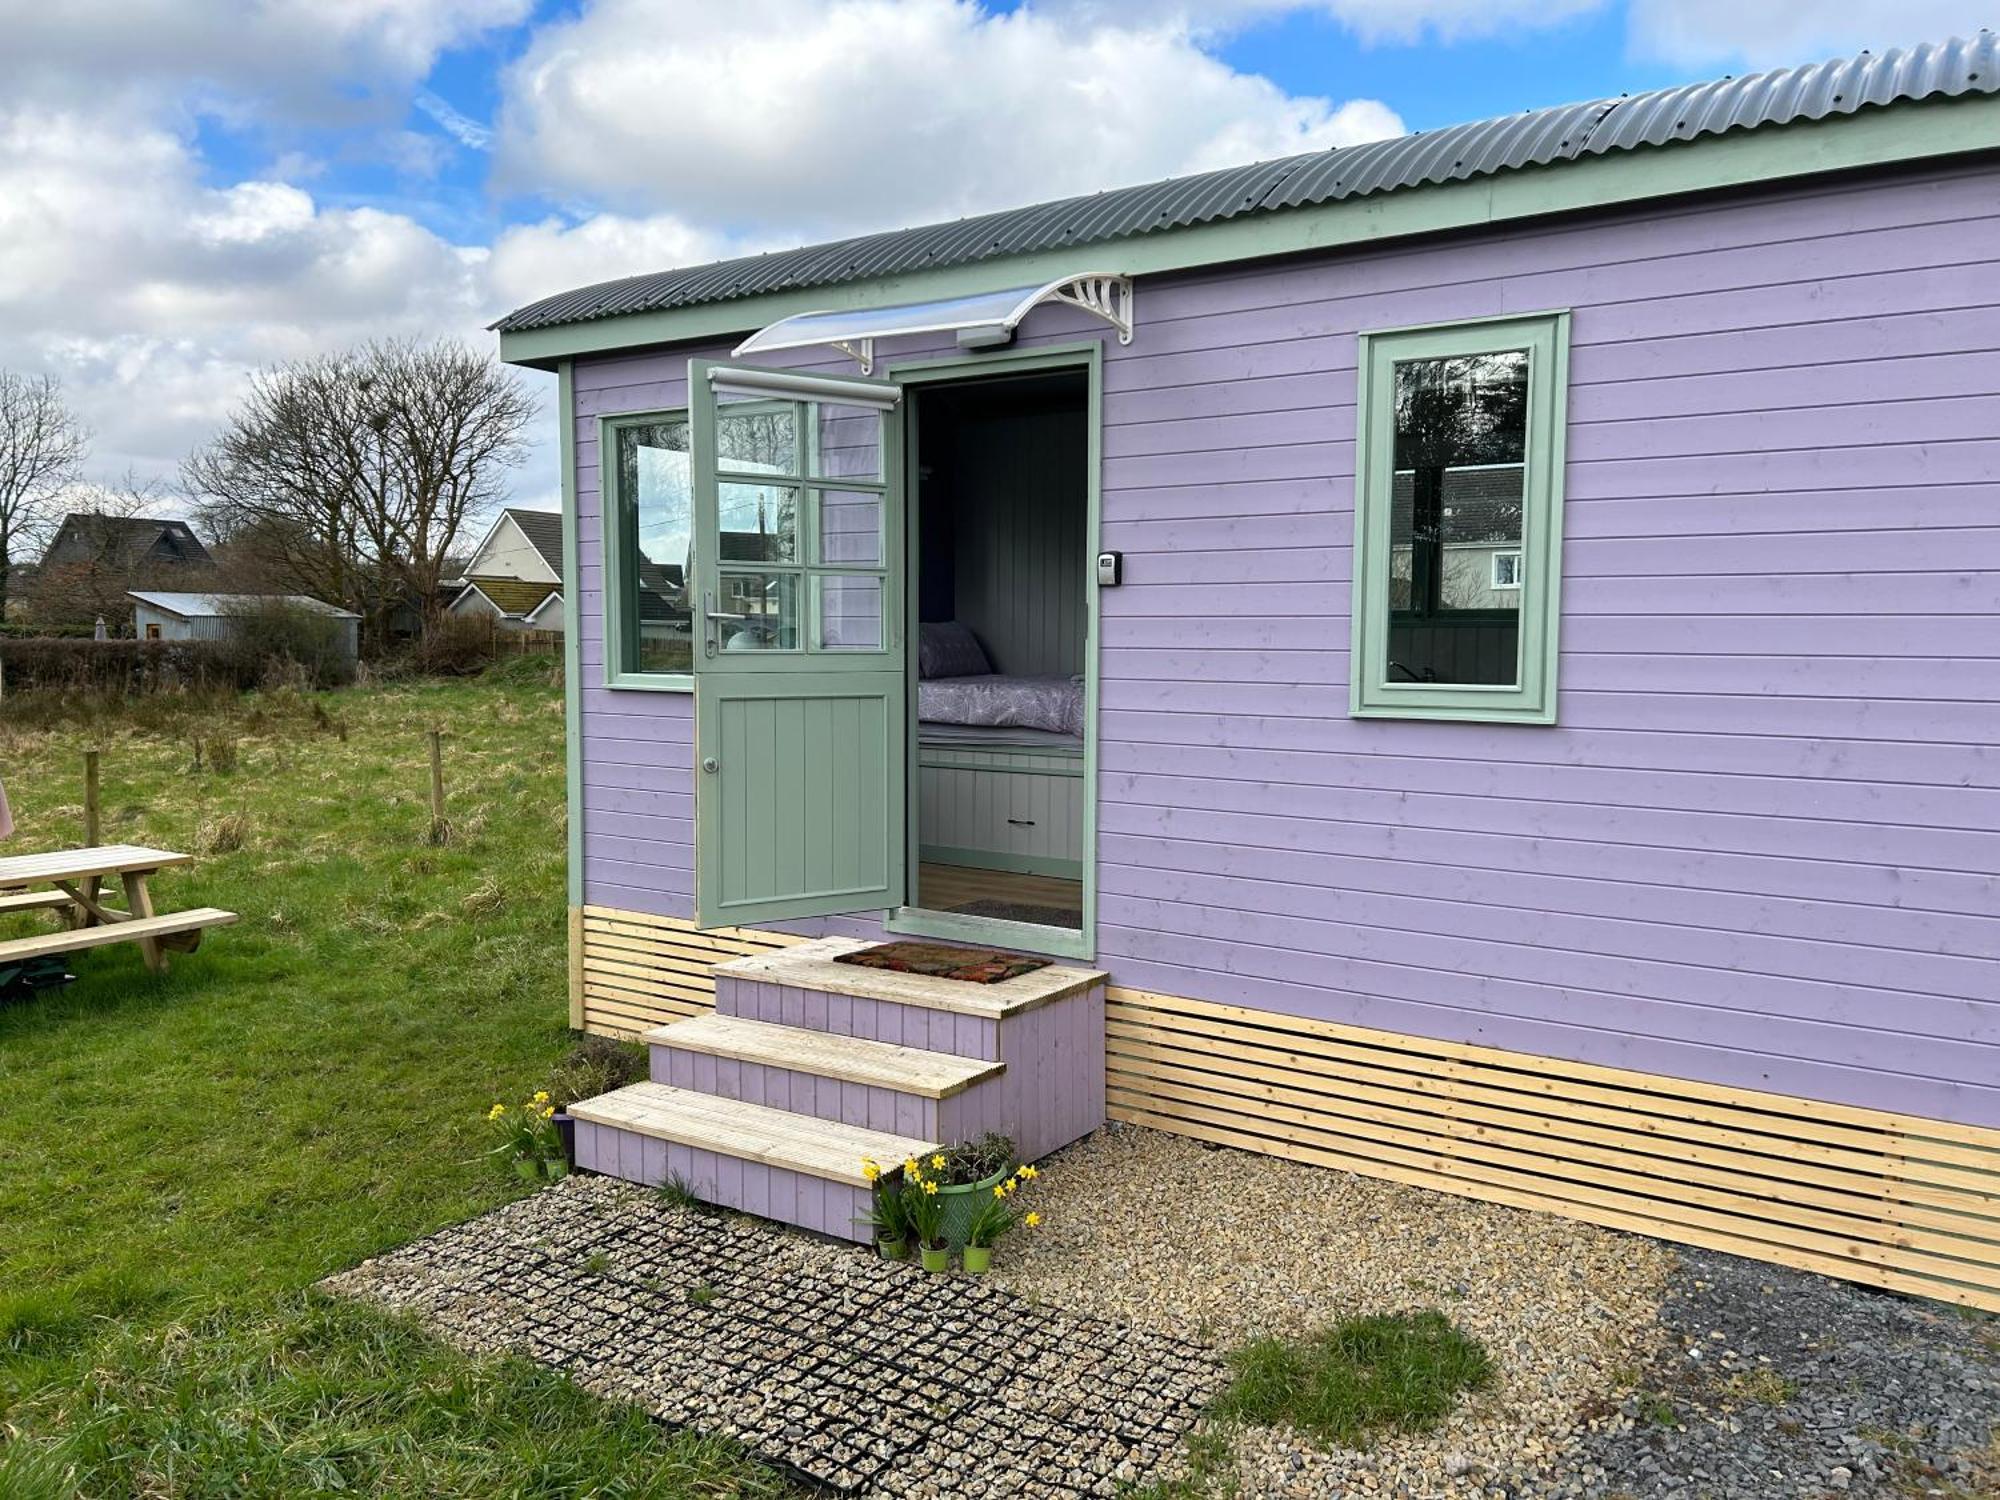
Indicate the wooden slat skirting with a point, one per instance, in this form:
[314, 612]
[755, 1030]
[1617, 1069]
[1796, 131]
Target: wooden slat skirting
[633, 971]
[1894, 1201]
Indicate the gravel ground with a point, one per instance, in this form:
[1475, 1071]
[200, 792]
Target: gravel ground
[866, 1377]
[1626, 1368]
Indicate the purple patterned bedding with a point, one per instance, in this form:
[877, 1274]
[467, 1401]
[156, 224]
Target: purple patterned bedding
[1054, 703]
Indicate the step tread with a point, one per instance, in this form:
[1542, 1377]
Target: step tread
[752, 1132]
[812, 966]
[849, 1059]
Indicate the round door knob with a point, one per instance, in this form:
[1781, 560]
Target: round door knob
[710, 764]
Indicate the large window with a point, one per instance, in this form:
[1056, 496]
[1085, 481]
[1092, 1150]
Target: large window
[1458, 520]
[649, 542]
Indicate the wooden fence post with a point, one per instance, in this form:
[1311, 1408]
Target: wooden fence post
[440, 829]
[93, 821]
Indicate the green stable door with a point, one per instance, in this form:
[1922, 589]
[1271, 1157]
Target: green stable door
[798, 652]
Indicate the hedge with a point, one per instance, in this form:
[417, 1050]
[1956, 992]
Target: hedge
[129, 667]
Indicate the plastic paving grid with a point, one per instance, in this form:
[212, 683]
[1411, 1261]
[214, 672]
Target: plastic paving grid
[866, 1377]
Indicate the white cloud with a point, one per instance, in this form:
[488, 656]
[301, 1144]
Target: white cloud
[1717, 32]
[1396, 21]
[830, 118]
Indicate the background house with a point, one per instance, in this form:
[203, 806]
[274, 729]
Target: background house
[95, 561]
[514, 576]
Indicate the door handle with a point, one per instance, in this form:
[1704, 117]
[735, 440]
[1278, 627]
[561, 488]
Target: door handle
[710, 764]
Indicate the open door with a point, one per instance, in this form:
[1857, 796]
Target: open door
[798, 656]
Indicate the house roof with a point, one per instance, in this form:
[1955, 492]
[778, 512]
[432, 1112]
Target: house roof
[544, 531]
[213, 606]
[124, 541]
[514, 596]
[1546, 138]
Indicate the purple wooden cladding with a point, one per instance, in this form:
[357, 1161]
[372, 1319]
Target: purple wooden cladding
[771, 1192]
[854, 1015]
[1759, 850]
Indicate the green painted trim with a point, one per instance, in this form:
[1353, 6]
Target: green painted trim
[1533, 700]
[1908, 133]
[994, 859]
[1088, 356]
[615, 523]
[1062, 942]
[572, 629]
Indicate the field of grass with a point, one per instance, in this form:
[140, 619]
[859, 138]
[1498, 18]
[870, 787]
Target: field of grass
[182, 1156]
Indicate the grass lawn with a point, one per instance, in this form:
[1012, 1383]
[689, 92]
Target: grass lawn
[181, 1157]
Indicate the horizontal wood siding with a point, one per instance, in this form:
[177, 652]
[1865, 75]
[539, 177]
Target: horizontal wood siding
[1760, 849]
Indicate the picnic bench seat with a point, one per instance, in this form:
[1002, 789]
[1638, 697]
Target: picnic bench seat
[179, 930]
[12, 901]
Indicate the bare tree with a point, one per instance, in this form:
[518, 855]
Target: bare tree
[42, 445]
[355, 473]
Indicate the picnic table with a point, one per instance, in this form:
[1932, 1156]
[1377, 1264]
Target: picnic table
[71, 883]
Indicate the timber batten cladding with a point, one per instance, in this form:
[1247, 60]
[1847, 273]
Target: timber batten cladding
[1894, 1201]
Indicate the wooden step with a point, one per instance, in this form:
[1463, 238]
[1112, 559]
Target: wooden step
[132, 930]
[750, 1132]
[814, 966]
[849, 1059]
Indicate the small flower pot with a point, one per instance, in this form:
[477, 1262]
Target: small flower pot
[566, 1133]
[896, 1249]
[977, 1258]
[937, 1261]
[961, 1203]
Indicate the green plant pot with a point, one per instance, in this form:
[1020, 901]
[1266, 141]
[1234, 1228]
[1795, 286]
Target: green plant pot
[937, 1261]
[977, 1258]
[896, 1249]
[961, 1203]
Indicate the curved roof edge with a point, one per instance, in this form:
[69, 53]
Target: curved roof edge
[1535, 138]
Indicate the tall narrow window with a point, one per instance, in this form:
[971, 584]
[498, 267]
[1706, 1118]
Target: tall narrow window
[649, 536]
[1458, 520]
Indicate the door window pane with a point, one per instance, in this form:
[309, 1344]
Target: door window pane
[757, 612]
[757, 522]
[850, 528]
[1456, 502]
[847, 442]
[655, 480]
[850, 612]
[761, 438]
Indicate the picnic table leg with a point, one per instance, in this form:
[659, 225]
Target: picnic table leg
[139, 901]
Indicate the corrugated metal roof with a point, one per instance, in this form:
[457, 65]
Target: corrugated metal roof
[213, 606]
[1540, 137]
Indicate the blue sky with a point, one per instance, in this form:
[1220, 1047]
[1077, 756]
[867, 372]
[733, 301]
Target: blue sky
[189, 192]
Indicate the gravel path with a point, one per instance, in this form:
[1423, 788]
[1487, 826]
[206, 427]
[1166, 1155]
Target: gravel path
[1626, 1368]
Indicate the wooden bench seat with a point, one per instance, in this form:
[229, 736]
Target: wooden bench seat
[180, 930]
[33, 901]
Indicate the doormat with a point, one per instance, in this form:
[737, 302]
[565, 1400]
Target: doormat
[1023, 911]
[940, 961]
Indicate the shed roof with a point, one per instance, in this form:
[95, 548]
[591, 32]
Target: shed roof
[513, 596]
[1533, 138]
[214, 606]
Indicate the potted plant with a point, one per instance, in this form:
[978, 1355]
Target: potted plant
[923, 1207]
[994, 1219]
[529, 1140]
[966, 1175]
[888, 1214]
[596, 1065]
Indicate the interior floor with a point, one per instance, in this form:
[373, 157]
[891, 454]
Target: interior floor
[1043, 899]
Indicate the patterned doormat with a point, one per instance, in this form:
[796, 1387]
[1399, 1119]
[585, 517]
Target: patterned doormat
[867, 1377]
[942, 961]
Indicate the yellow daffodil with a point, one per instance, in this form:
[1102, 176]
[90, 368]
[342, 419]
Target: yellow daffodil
[496, 1111]
[930, 1187]
[541, 1096]
[937, 1163]
[548, 1110]
[1030, 1173]
[1000, 1191]
[910, 1166]
[870, 1171]
[1032, 1220]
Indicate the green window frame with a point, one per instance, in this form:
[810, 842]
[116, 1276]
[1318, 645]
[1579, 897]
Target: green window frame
[620, 541]
[1376, 689]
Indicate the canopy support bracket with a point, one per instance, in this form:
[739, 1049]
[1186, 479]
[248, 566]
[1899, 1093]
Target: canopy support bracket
[861, 351]
[1106, 297]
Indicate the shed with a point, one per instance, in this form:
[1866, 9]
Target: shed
[1487, 643]
[213, 617]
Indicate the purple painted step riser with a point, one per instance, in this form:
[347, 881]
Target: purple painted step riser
[801, 1093]
[771, 1192]
[850, 1015]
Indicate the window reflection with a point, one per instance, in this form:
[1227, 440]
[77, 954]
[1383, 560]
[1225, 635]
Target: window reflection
[656, 479]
